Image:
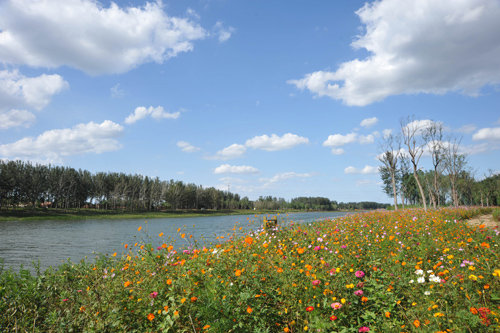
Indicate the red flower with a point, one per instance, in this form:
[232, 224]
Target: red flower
[332, 318]
[309, 308]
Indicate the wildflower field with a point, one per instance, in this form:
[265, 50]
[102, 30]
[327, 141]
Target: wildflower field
[405, 271]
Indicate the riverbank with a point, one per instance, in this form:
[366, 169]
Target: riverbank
[380, 271]
[37, 214]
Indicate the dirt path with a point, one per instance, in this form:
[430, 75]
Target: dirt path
[487, 220]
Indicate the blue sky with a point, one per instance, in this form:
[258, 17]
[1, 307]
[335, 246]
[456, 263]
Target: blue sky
[269, 98]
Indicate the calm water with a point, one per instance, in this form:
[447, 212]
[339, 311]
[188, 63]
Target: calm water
[52, 242]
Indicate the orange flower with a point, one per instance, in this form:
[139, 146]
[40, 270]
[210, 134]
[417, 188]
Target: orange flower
[114, 254]
[280, 270]
[183, 235]
[126, 284]
[416, 322]
[473, 310]
[160, 234]
[194, 299]
[364, 299]
[238, 272]
[388, 314]
[169, 282]
[300, 250]
[249, 310]
[165, 308]
[206, 327]
[485, 245]
[139, 229]
[249, 240]
[151, 317]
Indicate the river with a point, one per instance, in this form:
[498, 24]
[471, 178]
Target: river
[52, 242]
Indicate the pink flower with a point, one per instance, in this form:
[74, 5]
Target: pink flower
[359, 274]
[336, 305]
[65, 300]
[153, 294]
[317, 248]
[364, 329]
[358, 292]
[316, 282]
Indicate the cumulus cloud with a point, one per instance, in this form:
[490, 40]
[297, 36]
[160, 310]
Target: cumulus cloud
[13, 118]
[275, 142]
[233, 151]
[19, 92]
[187, 147]
[491, 134]
[158, 112]
[368, 169]
[418, 126]
[86, 35]
[223, 33]
[55, 144]
[337, 140]
[369, 122]
[426, 46]
[235, 169]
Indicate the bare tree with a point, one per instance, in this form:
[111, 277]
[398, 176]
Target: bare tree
[454, 163]
[391, 147]
[411, 132]
[434, 136]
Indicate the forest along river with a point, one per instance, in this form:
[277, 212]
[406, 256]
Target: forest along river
[53, 242]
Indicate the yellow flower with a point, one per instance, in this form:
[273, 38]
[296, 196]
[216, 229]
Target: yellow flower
[472, 277]
[439, 314]
[343, 301]
[496, 273]
[139, 229]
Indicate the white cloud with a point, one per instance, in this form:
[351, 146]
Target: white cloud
[233, 151]
[155, 112]
[116, 91]
[17, 90]
[283, 176]
[236, 169]
[13, 118]
[418, 126]
[365, 139]
[386, 133]
[487, 134]
[187, 147]
[57, 143]
[365, 171]
[337, 140]
[84, 34]
[369, 122]
[424, 46]
[223, 33]
[467, 129]
[337, 151]
[275, 142]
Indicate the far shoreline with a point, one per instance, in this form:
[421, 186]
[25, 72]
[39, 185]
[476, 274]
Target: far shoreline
[40, 214]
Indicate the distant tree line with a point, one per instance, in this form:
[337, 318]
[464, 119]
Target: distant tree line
[315, 204]
[36, 185]
[448, 182]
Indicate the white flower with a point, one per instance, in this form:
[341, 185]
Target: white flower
[434, 278]
[411, 281]
[419, 272]
[421, 279]
[427, 293]
[429, 271]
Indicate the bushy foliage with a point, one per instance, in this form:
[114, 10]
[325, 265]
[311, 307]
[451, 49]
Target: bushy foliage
[381, 271]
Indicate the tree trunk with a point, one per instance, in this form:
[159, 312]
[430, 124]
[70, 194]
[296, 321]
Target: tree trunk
[421, 190]
[394, 191]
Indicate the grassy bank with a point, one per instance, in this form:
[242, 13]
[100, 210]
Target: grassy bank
[382, 271]
[28, 214]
